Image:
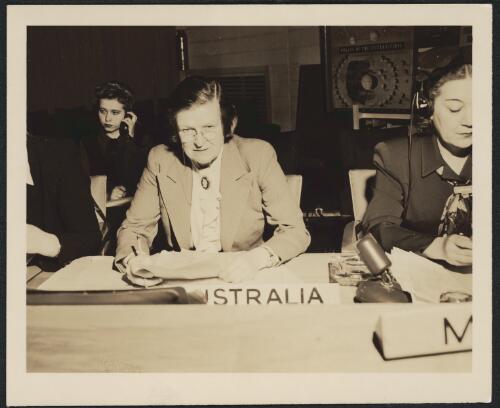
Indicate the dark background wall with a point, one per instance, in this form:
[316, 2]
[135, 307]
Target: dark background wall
[281, 50]
[66, 63]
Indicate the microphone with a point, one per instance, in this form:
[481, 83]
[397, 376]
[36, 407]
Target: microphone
[372, 254]
[382, 286]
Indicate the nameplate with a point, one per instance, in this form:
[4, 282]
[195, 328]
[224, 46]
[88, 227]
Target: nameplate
[268, 295]
[436, 329]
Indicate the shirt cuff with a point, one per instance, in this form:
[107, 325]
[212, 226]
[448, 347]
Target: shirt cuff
[274, 260]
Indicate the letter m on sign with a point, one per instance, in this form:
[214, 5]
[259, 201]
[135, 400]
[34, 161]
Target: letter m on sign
[448, 327]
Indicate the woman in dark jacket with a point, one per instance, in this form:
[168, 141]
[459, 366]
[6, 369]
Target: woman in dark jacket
[116, 150]
[428, 208]
[61, 223]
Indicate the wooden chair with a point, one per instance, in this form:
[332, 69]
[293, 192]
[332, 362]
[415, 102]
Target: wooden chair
[98, 191]
[358, 180]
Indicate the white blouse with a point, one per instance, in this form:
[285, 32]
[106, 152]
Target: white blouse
[456, 163]
[205, 207]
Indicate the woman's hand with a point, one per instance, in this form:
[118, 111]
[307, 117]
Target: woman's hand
[245, 265]
[454, 249]
[118, 192]
[41, 242]
[130, 119]
[137, 271]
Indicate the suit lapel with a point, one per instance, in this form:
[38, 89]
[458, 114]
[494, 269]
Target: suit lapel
[175, 186]
[235, 187]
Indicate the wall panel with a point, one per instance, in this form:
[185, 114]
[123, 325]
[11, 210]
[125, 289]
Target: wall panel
[66, 63]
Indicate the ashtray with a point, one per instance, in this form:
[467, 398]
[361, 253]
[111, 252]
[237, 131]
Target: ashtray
[347, 270]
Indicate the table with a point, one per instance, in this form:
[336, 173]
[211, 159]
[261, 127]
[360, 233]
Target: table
[198, 338]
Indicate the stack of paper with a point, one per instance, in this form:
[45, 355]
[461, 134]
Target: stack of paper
[96, 273]
[88, 273]
[426, 280]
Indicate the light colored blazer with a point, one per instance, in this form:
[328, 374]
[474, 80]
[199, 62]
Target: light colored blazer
[253, 189]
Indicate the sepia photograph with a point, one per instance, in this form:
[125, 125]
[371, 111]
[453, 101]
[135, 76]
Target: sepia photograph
[248, 204]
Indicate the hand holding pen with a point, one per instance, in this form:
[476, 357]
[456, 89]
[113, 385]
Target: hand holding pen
[137, 268]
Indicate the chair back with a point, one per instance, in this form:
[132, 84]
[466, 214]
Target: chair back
[98, 191]
[358, 180]
[295, 184]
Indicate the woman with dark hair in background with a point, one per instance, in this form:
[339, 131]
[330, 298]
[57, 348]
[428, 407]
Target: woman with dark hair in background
[214, 191]
[61, 223]
[428, 208]
[117, 150]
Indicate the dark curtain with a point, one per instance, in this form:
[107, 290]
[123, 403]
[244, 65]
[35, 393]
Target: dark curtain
[66, 63]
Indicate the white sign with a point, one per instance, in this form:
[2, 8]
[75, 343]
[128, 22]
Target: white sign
[262, 294]
[436, 329]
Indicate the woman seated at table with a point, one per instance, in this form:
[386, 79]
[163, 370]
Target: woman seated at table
[431, 211]
[61, 223]
[213, 190]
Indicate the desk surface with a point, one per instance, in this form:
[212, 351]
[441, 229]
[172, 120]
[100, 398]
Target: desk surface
[197, 338]
[308, 268]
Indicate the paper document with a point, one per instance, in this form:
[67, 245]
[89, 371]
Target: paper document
[88, 273]
[182, 265]
[424, 279]
[96, 273]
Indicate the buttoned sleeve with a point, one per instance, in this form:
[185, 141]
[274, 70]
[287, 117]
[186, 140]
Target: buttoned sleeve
[290, 237]
[131, 159]
[384, 215]
[141, 222]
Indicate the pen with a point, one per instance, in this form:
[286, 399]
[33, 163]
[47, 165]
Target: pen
[139, 245]
[134, 250]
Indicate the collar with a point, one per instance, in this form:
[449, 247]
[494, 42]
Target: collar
[447, 171]
[465, 176]
[431, 158]
[233, 166]
[104, 140]
[432, 161]
[213, 170]
[231, 163]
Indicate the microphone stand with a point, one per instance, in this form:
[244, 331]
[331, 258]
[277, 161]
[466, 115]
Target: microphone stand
[383, 286]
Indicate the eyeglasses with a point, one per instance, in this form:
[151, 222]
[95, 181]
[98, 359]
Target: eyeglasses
[208, 132]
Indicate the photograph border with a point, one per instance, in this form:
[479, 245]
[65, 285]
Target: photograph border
[238, 388]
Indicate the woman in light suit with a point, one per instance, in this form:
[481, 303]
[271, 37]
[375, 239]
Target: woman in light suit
[213, 191]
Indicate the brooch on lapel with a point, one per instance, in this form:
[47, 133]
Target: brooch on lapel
[205, 183]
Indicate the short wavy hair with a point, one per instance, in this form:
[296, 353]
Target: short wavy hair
[458, 68]
[115, 90]
[197, 90]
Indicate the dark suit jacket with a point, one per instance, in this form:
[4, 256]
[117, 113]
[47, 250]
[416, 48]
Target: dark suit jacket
[60, 202]
[385, 218]
[253, 189]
